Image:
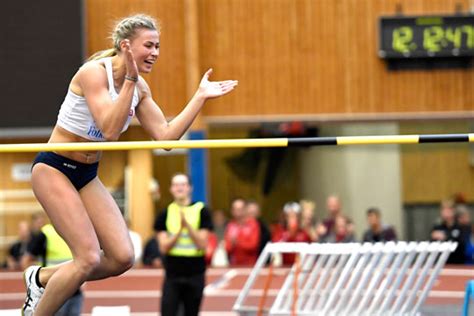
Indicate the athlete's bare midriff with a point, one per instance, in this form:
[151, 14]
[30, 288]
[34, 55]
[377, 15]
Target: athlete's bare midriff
[60, 135]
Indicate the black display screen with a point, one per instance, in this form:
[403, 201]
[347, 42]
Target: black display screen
[426, 36]
[41, 47]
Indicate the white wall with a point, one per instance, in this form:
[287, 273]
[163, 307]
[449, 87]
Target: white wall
[362, 176]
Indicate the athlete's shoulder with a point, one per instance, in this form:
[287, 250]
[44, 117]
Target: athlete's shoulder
[92, 72]
[93, 66]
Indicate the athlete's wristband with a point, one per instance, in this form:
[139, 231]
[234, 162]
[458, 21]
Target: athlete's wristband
[134, 79]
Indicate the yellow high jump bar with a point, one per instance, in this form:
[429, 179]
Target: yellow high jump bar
[240, 143]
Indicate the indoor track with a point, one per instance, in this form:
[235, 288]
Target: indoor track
[141, 290]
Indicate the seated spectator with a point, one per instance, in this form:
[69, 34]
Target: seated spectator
[315, 230]
[377, 230]
[341, 232]
[293, 231]
[151, 254]
[253, 209]
[449, 230]
[136, 242]
[220, 221]
[216, 254]
[334, 210]
[278, 227]
[463, 218]
[18, 249]
[242, 235]
[38, 220]
[211, 247]
[48, 247]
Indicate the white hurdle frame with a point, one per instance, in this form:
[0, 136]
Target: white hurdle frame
[392, 278]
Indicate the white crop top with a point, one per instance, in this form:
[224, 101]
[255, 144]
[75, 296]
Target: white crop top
[75, 116]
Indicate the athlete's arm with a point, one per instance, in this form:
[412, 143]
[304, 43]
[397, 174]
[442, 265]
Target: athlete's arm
[155, 123]
[110, 116]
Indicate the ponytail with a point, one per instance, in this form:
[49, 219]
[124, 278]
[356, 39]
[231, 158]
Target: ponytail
[103, 53]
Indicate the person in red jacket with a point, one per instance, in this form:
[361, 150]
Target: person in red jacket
[242, 235]
[293, 230]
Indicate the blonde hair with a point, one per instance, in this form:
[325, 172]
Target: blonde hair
[126, 29]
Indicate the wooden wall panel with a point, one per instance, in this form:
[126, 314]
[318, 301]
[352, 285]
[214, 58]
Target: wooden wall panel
[319, 57]
[226, 185]
[432, 172]
[292, 57]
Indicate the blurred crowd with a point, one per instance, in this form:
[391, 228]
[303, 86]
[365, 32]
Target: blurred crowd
[240, 234]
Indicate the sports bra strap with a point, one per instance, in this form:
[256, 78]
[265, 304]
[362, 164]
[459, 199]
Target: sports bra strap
[110, 74]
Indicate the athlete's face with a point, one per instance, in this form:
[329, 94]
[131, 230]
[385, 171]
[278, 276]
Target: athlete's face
[145, 46]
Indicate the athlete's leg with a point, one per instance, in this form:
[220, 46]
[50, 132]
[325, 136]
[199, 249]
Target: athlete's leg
[103, 223]
[111, 230]
[68, 215]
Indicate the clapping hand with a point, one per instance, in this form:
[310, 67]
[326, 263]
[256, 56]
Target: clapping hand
[132, 69]
[213, 89]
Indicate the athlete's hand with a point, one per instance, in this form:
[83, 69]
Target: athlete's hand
[213, 89]
[132, 69]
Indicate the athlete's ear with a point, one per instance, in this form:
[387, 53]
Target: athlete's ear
[124, 44]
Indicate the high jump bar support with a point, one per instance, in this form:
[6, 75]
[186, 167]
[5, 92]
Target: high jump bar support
[241, 143]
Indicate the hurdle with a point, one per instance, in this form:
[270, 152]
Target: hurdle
[353, 279]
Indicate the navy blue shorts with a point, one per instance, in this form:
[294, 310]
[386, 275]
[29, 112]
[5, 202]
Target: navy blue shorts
[78, 173]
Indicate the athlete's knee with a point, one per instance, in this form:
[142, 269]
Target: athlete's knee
[123, 261]
[88, 262]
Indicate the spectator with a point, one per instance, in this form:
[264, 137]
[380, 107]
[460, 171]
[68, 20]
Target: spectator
[18, 249]
[211, 248]
[47, 245]
[278, 227]
[136, 242]
[449, 230]
[377, 230]
[341, 232]
[242, 235]
[220, 221]
[151, 257]
[293, 231]
[253, 209]
[151, 254]
[38, 220]
[183, 229]
[314, 229]
[469, 249]
[463, 217]
[333, 207]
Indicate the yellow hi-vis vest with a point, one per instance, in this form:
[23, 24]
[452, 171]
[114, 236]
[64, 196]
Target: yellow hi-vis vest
[184, 246]
[57, 251]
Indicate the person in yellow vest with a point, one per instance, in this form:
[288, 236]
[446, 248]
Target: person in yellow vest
[182, 232]
[50, 249]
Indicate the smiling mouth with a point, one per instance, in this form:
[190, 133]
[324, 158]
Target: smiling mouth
[149, 62]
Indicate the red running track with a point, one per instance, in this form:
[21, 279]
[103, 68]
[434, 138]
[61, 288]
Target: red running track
[141, 289]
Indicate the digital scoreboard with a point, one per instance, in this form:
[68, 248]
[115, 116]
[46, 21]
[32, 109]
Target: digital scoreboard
[426, 36]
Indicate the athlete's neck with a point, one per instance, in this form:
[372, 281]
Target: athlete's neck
[119, 69]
